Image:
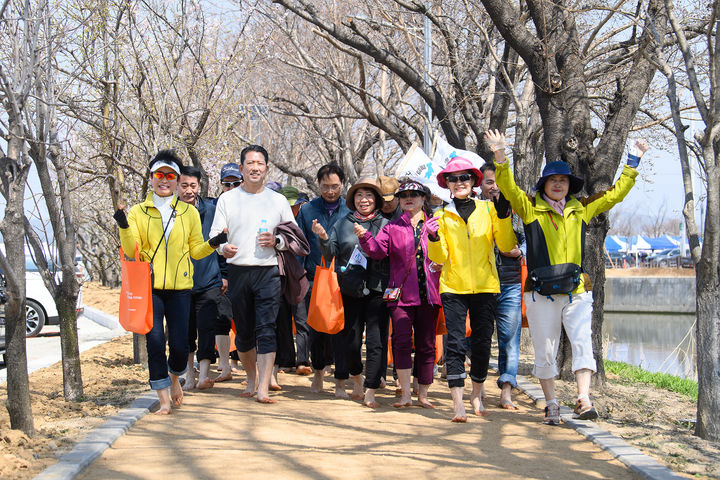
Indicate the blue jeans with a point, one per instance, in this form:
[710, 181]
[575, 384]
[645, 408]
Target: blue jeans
[508, 316]
[174, 307]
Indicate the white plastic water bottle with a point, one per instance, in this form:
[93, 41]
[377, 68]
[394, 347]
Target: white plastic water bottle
[263, 226]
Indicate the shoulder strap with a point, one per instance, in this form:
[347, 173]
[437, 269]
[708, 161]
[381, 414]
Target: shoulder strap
[164, 230]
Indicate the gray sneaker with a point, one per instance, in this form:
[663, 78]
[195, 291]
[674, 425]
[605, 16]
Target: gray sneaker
[552, 414]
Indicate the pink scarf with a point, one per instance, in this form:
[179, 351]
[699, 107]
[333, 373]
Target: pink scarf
[558, 206]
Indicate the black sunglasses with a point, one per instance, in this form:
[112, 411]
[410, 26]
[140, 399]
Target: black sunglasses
[459, 178]
[236, 183]
[409, 194]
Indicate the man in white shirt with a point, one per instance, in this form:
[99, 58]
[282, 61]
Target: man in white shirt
[250, 213]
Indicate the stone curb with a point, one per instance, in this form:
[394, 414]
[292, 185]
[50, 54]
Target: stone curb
[101, 318]
[633, 458]
[100, 439]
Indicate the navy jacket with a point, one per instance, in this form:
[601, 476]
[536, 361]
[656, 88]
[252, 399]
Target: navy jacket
[207, 270]
[315, 209]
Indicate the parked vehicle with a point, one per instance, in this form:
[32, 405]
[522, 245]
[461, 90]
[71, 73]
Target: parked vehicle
[40, 308]
[671, 257]
[619, 260]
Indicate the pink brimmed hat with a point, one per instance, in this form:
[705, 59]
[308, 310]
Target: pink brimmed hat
[458, 164]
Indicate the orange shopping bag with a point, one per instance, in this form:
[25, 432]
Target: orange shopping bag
[441, 328]
[326, 313]
[136, 314]
[523, 279]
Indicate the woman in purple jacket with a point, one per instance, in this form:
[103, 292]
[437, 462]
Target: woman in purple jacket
[413, 300]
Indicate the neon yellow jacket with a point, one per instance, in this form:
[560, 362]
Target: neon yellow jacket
[552, 238]
[466, 250]
[172, 266]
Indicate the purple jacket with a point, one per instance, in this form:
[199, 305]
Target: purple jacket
[397, 240]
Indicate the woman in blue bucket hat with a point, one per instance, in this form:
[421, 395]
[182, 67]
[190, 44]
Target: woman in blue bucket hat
[557, 293]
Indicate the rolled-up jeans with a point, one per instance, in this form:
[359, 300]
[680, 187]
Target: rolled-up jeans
[174, 307]
[508, 318]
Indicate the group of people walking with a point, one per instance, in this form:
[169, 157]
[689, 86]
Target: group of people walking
[403, 263]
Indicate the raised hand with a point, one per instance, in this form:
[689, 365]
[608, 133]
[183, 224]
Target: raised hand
[495, 140]
[121, 218]
[636, 151]
[319, 230]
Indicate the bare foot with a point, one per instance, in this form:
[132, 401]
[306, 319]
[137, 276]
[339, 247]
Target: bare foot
[205, 384]
[398, 392]
[249, 391]
[340, 390]
[383, 383]
[459, 419]
[303, 370]
[317, 382]
[506, 397]
[265, 400]
[402, 404]
[369, 399]
[189, 382]
[424, 403]
[165, 405]
[357, 393]
[176, 391]
[508, 405]
[478, 406]
[275, 387]
[236, 371]
[223, 377]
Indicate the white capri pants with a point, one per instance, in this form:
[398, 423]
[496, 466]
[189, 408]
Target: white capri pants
[545, 318]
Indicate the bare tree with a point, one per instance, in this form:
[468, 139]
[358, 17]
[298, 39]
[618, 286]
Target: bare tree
[20, 40]
[702, 77]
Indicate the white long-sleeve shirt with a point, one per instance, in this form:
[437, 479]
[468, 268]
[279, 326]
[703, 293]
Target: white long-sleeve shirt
[242, 213]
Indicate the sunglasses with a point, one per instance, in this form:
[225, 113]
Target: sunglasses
[234, 184]
[409, 194]
[465, 177]
[168, 175]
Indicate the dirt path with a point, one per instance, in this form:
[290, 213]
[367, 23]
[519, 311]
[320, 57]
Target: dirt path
[309, 435]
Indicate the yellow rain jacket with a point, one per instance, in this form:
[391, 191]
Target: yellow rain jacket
[466, 250]
[172, 267]
[553, 239]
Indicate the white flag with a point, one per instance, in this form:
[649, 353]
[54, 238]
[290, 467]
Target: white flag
[357, 258]
[444, 152]
[418, 166]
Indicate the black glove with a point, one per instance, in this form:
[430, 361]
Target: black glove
[121, 219]
[218, 239]
[502, 206]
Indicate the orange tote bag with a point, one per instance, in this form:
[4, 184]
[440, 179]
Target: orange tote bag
[326, 313]
[136, 314]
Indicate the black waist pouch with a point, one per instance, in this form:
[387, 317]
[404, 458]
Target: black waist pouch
[353, 281]
[555, 279]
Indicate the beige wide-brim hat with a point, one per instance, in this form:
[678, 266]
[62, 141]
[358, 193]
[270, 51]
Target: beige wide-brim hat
[388, 187]
[366, 182]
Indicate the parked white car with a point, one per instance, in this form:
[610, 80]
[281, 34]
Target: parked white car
[40, 309]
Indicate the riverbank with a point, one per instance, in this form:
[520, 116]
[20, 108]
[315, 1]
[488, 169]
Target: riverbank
[650, 419]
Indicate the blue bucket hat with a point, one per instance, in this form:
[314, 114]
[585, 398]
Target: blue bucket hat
[559, 168]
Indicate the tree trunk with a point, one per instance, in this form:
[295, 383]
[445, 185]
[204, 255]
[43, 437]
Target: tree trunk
[72, 375]
[707, 303]
[12, 228]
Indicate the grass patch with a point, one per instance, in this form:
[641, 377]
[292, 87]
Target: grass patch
[659, 380]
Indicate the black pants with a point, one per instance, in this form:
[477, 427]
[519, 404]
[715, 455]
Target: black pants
[285, 357]
[367, 314]
[255, 293]
[225, 316]
[201, 323]
[302, 333]
[482, 322]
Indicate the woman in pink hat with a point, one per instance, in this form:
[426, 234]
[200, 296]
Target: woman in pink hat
[462, 237]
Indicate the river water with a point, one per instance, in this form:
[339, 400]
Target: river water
[655, 342]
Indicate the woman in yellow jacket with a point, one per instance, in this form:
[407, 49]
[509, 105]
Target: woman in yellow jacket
[462, 237]
[557, 292]
[168, 233]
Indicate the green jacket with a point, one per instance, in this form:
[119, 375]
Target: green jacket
[467, 250]
[172, 266]
[552, 238]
